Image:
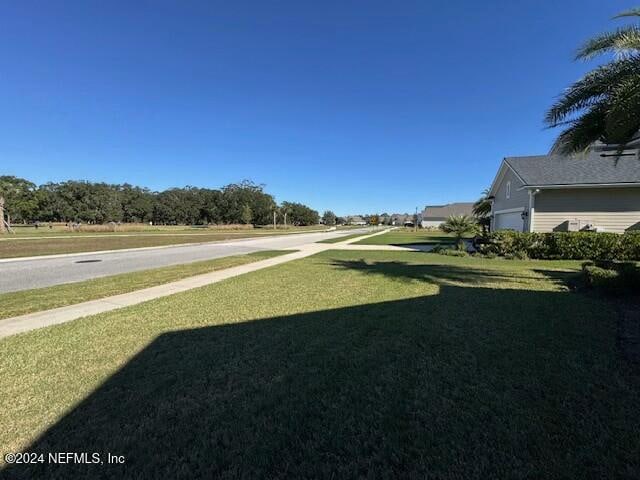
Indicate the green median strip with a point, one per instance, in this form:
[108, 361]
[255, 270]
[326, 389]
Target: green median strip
[13, 247]
[39, 299]
[408, 237]
[342, 239]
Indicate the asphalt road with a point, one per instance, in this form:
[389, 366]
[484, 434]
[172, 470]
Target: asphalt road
[16, 275]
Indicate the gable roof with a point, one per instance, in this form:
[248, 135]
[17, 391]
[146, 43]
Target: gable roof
[442, 212]
[586, 169]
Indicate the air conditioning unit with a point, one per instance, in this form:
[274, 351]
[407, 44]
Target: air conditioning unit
[573, 226]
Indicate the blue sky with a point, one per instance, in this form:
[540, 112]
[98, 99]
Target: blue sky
[364, 106]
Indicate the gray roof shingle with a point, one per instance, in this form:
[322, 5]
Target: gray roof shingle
[590, 168]
[441, 212]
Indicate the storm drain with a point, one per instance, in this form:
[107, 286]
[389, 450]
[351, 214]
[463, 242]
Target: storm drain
[88, 261]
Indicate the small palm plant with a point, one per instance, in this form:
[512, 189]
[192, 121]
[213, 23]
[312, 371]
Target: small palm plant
[461, 226]
[605, 104]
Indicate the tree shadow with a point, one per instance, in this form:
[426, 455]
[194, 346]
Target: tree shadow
[451, 274]
[467, 383]
[431, 240]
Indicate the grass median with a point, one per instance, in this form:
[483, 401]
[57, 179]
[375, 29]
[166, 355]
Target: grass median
[22, 246]
[39, 299]
[344, 238]
[412, 364]
[409, 237]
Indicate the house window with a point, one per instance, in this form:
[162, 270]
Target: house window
[508, 190]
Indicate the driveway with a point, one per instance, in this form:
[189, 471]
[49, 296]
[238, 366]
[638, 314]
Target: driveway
[18, 275]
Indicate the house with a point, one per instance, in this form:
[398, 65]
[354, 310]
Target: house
[435, 215]
[598, 190]
[399, 219]
[356, 220]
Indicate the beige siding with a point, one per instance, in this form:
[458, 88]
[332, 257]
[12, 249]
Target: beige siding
[613, 209]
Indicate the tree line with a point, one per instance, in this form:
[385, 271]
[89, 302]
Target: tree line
[90, 202]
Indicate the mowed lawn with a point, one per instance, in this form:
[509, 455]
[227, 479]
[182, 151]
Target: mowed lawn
[344, 238]
[77, 243]
[345, 364]
[38, 299]
[409, 237]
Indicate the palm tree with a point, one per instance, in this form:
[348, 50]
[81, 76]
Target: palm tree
[460, 226]
[605, 104]
[482, 209]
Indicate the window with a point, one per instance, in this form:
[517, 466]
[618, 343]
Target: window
[508, 193]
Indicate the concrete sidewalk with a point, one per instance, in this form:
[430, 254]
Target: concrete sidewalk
[32, 321]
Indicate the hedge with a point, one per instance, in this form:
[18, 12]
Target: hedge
[616, 278]
[562, 245]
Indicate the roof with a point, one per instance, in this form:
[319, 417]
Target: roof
[442, 212]
[585, 169]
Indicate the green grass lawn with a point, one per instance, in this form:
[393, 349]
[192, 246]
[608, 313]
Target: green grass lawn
[345, 364]
[409, 237]
[12, 247]
[60, 230]
[344, 238]
[38, 299]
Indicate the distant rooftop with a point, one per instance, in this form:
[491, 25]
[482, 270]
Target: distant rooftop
[442, 212]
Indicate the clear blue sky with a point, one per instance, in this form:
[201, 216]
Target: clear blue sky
[354, 106]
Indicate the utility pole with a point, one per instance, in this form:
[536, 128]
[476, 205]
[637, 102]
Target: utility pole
[2, 227]
[285, 220]
[415, 221]
[274, 220]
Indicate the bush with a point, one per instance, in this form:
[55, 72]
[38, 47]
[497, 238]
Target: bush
[450, 252]
[563, 245]
[617, 278]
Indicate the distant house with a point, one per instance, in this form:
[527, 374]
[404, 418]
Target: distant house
[398, 219]
[356, 220]
[435, 215]
[594, 191]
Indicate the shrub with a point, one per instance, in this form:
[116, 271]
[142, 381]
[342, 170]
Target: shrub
[450, 252]
[616, 278]
[563, 245]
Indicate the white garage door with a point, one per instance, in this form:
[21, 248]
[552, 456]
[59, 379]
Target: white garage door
[508, 221]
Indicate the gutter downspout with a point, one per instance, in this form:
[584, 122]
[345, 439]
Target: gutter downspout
[532, 208]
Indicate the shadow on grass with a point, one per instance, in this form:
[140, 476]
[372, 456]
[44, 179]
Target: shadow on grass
[451, 274]
[465, 383]
[432, 240]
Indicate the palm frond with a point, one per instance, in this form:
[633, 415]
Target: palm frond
[634, 12]
[591, 89]
[583, 132]
[605, 104]
[623, 116]
[621, 42]
[482, 206]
